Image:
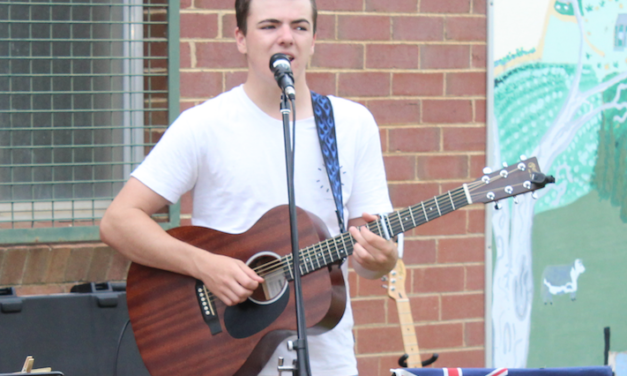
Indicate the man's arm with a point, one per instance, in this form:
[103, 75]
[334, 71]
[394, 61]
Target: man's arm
[128, 227]
[374, 255]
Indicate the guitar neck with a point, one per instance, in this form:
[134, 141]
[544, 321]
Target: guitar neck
[340, 247]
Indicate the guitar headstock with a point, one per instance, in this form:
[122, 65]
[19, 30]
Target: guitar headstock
[396, 281]
[522, 177]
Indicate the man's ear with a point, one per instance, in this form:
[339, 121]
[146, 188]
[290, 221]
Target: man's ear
[240, 39]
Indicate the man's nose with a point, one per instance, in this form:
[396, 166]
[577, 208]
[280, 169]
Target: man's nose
[285, 35]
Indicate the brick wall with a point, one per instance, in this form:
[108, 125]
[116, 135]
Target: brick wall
[420, 67]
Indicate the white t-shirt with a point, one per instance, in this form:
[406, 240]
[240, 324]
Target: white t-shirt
[231, 155]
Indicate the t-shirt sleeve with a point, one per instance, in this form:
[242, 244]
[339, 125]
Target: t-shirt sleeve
[171, 168]
[370, 190]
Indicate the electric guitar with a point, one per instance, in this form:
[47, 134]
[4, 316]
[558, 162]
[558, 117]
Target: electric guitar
[396, 290]
[182, 329]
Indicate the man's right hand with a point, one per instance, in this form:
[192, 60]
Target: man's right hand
[229, 279]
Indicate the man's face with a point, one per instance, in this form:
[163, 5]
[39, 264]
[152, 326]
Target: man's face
[274, 26]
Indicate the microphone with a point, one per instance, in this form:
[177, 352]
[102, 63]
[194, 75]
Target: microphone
[280, 65]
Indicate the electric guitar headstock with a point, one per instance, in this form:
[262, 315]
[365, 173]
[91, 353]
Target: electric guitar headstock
[396, 281]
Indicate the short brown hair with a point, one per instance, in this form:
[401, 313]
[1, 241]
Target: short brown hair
[242, 7]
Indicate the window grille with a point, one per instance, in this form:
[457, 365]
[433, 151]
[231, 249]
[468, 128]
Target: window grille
[86, 88]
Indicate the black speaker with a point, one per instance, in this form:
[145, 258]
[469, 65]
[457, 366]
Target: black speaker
[84, 333]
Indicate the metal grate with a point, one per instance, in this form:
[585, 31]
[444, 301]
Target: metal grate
[85, 92]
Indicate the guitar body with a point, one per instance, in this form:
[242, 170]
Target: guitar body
[166, 315]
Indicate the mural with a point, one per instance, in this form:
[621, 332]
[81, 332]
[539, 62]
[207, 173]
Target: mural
[560, 94]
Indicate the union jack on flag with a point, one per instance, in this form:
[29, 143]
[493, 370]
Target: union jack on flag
[572, 371]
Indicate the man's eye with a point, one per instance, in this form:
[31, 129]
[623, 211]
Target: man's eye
[268, 27]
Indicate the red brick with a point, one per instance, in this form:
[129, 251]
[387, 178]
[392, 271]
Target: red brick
[12, 271]
[388, 362]
[219, 55]
[229, 24]
[395, 111]
[364, 84]
[371, 288]
[418, 84]
[480, 110]
[185, 4]
[325, 28]
[389, 56]
[377, 340]
[419, 252]
[466, 29]
[464, 139]
[383, 135]
[78, 264]
[200, 84]
[364, 28]
[30, 290]
[466, 83]
[447, 111]
[444, 56]
[450, 6]
[442, 167]
[392, 6]
[475, 277]
[462, 358]
[474, 333]
[368, 366]
[214, 4]
[410, 194]
[185, 55]
[436, 336]
[400, 167]
[415, 28]
[438, 279]
[100, 264]
[353, 282]
[339, 5]
[414, 139]
[233, 79]
[450, 224]
[476, 221]
[187, 202]
[423, 308]
[198, 25]
[479, 7]
[37, 265]
[458, 250]
[477, 163]
[371, 311]
[478, 56]
[321, 82]
[119, 267]
[186, 105]
[463, 306]
[58, 264]
[331, 55]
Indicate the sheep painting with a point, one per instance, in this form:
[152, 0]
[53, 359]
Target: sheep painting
[561, 279]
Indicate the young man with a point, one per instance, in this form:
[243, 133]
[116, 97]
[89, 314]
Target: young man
[229, 152]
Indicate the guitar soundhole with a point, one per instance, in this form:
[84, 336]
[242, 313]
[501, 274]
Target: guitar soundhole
[269, 266]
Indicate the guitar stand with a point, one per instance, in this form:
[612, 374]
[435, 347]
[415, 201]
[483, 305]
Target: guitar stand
[402, 361]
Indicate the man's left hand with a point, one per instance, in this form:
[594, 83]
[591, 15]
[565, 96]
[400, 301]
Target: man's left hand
[374, 255]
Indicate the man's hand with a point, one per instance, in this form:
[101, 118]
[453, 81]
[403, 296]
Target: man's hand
[374, 255]
[229, 279]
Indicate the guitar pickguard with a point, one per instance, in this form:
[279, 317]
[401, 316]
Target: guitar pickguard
[248, 318]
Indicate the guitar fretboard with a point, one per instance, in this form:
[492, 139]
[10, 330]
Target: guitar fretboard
[340, 247]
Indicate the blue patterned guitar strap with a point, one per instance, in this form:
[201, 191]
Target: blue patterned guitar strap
[325, 124]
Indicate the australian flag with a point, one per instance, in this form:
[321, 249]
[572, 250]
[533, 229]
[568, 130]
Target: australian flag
[570, 371]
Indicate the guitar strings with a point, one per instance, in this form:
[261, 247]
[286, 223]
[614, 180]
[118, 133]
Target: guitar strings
[394, 220]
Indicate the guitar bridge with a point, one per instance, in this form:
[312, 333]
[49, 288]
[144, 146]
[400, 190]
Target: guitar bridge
[208, 308]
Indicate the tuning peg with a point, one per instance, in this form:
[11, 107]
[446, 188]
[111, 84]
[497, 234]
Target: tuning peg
[498, 206]
[523, 157]
[384, 278]
[487, 170]
[384, 286]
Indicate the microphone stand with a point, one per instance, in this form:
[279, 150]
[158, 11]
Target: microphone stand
[301, 366]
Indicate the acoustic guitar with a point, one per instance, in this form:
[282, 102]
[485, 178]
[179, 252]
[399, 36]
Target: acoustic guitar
[182, 329]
